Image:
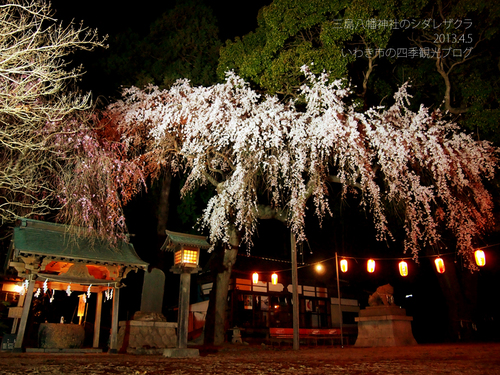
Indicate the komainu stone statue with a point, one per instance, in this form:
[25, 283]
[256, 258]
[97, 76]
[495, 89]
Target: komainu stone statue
[382, 296]
[383, 323]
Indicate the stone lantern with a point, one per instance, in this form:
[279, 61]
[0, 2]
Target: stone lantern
[186, 250]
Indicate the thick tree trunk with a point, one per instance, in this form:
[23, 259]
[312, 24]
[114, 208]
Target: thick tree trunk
[215, 324]
[222, 286]
[459, 288]
[447, 93]
[163, 205]
[216, 320]
[221, 292]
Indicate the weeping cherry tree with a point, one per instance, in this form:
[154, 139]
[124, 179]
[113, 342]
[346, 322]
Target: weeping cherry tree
[267, 158]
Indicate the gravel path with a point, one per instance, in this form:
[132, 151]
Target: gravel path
[415, 360]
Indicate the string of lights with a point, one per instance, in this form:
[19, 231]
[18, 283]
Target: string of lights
[479, 256]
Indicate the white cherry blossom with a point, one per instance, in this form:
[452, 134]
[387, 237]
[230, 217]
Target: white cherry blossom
[259, 150]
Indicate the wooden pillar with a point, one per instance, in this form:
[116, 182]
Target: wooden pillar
[97, 323]
[20, 303]
[295, 294]
[183, 318]
[24, 317]
[113, 341]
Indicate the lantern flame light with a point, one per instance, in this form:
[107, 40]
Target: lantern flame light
[403, 268]
[370, 266]
[255, 277]
[439, 265]
[343, 265]
[480, 258]
[186, 257]
[274, 278]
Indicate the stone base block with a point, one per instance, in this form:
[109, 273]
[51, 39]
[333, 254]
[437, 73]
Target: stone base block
[181, 353]
[73, 351]
[136, 336]
[378, 329]
[60, 336]
[382, 311]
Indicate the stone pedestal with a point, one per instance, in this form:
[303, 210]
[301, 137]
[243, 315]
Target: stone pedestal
[181, 353]
[146, 337]
[60, 336]
[384, 326]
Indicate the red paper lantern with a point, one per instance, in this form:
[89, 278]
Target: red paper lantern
[370, 265]
[439, 265]
[403, 268]
[343, 265]
[480, 258]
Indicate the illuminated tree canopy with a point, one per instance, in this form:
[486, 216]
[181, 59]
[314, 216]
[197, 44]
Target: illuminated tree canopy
[267, 158]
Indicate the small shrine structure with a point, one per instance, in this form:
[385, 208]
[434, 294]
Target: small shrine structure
[57, 257]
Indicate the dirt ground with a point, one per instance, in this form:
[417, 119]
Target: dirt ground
[467, 359]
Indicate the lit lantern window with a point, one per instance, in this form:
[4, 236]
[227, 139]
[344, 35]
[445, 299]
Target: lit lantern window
[255, 277]
[274, 278]
[370, 265]
[343, 265]
[480, 258]
[186, 257]
[403, 268]
[439, 265]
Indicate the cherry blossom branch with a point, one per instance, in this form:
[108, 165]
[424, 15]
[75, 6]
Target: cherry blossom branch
[265, 147]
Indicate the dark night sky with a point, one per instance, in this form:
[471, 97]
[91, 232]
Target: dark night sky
[110, 16]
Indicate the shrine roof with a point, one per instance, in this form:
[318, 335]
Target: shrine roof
[61, 242]
[175, 238]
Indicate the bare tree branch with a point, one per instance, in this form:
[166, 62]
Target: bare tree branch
[40, 119]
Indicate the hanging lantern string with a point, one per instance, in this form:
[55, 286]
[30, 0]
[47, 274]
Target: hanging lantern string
[377, 259]
[487, 246]
[303, 265]
[264, 258]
